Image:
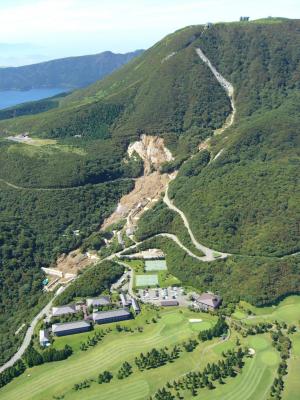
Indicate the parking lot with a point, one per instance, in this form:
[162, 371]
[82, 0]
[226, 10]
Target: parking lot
[155, 296]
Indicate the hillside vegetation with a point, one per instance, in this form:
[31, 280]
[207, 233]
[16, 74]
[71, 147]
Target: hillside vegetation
[69, 73]
[35, 228]
[247, 200]
[259, 280]
[244, 202]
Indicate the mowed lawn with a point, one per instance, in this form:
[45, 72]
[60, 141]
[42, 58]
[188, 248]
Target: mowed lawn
[146, 280]
[256, 378]
[287, 310]
[42, 382]
[173, 326]
[292, 381]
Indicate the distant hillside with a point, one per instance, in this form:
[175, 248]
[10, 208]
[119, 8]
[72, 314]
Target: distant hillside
[69, 73]
[244, 202]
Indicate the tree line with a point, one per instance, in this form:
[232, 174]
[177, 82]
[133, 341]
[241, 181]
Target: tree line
[230, 366]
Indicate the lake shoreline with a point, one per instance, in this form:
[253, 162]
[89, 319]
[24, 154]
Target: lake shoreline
[12, 98]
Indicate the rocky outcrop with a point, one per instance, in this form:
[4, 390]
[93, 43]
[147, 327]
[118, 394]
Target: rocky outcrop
[152, 151]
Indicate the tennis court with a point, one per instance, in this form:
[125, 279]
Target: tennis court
[146, 280]
[155, 265]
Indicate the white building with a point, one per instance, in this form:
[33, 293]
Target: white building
[44, 338]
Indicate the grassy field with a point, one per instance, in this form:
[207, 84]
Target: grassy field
[155, 265]
[45, 381]
[136, 265]
[255, 380]
[45, 148]
[292, 382]
[287, 310]
[146, 280]
[161, 278]
[173, 326]
[164, 278]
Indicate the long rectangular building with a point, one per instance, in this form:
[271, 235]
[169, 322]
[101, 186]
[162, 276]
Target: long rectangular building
[135, 305]
[99, 301]
[169, 303]
[124, 300]
[104, 317]
[63, 310]
[69, 328]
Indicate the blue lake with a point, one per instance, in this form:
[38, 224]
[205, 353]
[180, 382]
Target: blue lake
[9, 98]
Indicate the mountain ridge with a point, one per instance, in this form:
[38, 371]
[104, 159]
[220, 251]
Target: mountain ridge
[239, 193]
[67, 73]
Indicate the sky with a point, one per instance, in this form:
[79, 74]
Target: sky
[38, 30]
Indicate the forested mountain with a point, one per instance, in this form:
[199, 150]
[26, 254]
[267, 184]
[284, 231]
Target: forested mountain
[68, 73]
[245, 202]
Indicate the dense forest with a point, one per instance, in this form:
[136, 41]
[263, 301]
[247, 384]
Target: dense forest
[251, 201]
[258, 280]
[69, 163]
[160, 219]
[36, 227]
[92, 282]
[245, 202]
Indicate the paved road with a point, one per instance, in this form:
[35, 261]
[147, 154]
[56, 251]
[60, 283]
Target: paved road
[169, 236]
[46, 310]
[227, 86]
[209, 253]
[130, 273]
[178, 242]
[61, 188]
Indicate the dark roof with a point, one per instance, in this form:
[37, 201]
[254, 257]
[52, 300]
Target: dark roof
[66, 326]
[209, 299]
[70, 309]
[121, 312]
[99, 301]
[169, 303]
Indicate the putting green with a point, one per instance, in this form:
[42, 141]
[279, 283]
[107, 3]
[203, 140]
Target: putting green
[255, 380]
[239, 315]
[200, 326]
[172, 318]
[258, 342]
[269, 357]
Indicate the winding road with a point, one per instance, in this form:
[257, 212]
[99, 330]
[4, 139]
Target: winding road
[13, 186]
[27, 339]
[209, 254]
